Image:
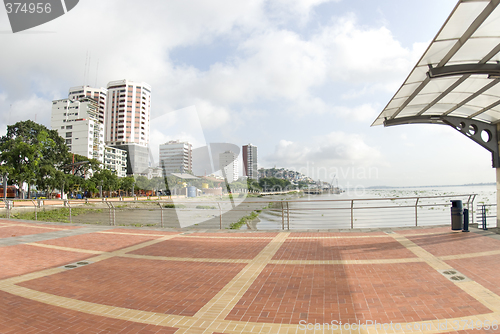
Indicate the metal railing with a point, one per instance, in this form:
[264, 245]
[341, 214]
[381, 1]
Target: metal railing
[273, 214]
[485, 211]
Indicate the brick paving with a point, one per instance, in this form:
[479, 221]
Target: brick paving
[23, 259]
[98, 241]
[348, 293]
[342, 249]
[17, 231]
[485, 270]
[153, 281]
[21, 315]
[180, 288]
[211, 248]
[455, 243]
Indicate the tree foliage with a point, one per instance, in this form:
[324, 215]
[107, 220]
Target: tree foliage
[33, 154]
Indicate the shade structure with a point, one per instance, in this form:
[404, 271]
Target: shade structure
[457, 80]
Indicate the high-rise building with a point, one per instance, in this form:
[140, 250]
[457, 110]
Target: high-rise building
[250, 169]
[98, 94]
[115, 160]
[176, 157]
[228, 164]
[77, 122]
[126, 121]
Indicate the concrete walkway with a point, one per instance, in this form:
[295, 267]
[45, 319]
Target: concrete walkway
[96, 279]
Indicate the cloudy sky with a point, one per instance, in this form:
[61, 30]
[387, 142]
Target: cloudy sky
[301, 79]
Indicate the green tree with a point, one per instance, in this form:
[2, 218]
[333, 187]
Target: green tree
[126, 183]
[32, 153]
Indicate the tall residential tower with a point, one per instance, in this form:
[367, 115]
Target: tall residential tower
[250, 169]
[127, 120]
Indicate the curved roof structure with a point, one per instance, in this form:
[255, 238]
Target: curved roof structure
[457, 80]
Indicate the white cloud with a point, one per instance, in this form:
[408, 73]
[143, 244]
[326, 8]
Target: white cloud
[334, 149]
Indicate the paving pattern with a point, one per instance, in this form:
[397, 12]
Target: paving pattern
[428, 280]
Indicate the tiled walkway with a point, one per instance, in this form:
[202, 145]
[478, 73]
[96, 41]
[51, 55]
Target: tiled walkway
[145, 281]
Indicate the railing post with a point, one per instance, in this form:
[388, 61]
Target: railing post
[282, 217]
[352, 214]
[109, 207]
[66, 202]
[161, 208]
[416, 212]
[220, 216]
[34, 204]
[288, 215]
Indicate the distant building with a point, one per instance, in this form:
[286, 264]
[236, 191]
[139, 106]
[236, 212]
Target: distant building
[115, 160]
[228, 164]
[97, 94]
[77, 122]
[126, 121]
[176, 157]
[152, 172]
[250, 162]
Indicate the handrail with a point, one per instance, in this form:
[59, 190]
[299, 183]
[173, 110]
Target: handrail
[285, 207]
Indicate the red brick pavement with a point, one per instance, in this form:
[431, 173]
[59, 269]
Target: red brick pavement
[426, 230]
[16, 231]
[22, 259]
[99, 241]
[171, 287]
[333, 234]
[455, 243]
[235, 235]
[218, 248]
[383, 293]
[485, 270]
[34, 224]
[138, 231]
[342, 249]
[20, 315]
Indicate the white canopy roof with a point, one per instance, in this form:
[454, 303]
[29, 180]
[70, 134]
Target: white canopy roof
[459, 74]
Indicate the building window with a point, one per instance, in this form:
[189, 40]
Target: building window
[69, 134]
[69, 126]
[68, 141]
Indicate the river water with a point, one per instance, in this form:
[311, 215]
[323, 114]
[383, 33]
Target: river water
[373, 208]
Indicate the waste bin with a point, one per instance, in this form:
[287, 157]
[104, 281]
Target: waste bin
[457, 215]
[191, 191]
[466, 220]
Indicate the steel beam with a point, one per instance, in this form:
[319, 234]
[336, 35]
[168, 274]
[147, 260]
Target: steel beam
[473, 129]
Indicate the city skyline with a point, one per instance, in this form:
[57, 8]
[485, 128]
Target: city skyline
[302, 81]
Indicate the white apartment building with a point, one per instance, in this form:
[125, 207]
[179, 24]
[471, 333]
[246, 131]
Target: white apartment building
[176, 157]
[77, 122]
[228, 164]
[98, 94]
[115, 160]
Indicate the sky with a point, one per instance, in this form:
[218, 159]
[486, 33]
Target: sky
[300, 79]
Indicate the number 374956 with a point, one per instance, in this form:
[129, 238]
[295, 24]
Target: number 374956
[18, 7]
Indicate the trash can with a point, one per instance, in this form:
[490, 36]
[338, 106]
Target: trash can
[457, 215]
[191, 191]
[466, 221]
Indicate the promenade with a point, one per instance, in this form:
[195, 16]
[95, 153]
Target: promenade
[61, 278]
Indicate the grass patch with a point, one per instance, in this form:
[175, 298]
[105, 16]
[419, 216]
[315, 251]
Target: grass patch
[205, 207]
[243, 221]
[174, 206]
[58, 215]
